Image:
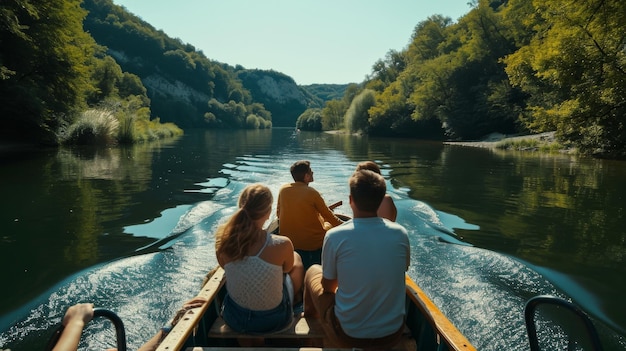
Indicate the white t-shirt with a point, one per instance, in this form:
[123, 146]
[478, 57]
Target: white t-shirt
[369, 258]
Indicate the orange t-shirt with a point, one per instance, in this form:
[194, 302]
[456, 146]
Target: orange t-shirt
[299, 209]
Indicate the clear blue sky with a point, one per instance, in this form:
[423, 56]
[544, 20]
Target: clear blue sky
[313, 41]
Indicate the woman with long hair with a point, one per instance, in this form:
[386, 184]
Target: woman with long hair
[263, 273]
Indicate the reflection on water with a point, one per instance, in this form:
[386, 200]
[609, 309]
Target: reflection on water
[488, 229]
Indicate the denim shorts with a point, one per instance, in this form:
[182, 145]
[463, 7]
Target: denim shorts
[243, 320]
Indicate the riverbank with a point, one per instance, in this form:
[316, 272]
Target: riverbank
[532, 142]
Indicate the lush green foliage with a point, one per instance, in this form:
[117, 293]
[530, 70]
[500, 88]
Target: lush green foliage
[310, 119]
[356, 118]
[44, 66]
[332, 115]
[50, 97]
[574, 71]
[334, 111]
[185, 87]
[326, 92]
[507, 66]
[93, 127]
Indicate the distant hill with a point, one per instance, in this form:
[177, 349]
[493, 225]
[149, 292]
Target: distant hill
[189, 89]
[280, 94]
[327, 92]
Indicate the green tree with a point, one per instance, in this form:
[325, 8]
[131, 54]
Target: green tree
[253, 122]
[130, 85]
[357, 117]
[574, 70]
[418, 91]
[106, 76]
[44, 57]
[310, 119]
[456, 73]
[332, 115]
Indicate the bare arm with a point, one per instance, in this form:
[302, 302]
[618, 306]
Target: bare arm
[387, 209]
[288, 255]
[326, 213]
[156, 340]
[278, 207]
[329, 285]
[74, 321]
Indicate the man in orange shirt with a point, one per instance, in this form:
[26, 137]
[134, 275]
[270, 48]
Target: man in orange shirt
[301, 212]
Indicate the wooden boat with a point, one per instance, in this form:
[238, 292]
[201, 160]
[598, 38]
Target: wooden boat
[427, 328]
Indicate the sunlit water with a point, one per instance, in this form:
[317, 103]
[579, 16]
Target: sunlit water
[482, 291]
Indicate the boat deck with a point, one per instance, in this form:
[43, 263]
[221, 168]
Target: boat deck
[303, 331]
[426, 329]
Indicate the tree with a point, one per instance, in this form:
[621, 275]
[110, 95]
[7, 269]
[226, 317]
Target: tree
[310, 119]
[465, 85]
[574, 69]
[44, 57]
[332, 115]
[357, 117]
[106, 76]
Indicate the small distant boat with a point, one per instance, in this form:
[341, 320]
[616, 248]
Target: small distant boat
[202, 328]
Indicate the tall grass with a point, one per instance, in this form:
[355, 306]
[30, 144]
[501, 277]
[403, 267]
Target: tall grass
[126, 133]
[531, 145]
[103, 127]
[145, 130]
[93, 127]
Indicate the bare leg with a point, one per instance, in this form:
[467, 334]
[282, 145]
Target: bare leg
[312, 286]
[297, 277]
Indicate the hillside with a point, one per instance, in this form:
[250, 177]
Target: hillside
[186, 87]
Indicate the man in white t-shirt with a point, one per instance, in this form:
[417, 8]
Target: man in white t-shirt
[359, 290]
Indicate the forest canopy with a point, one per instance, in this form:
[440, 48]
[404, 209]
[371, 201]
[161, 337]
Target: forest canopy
[56, 69]
[510, 67]
[507, 66]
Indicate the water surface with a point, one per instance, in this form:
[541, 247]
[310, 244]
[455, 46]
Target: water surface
[131, 229]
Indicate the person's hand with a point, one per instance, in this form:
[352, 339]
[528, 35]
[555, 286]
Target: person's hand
[75, 319]
[82, 312]
[195, 302]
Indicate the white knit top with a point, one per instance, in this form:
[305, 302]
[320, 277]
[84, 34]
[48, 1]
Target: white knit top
[254, 283]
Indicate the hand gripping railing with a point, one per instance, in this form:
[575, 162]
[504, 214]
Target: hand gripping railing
[120, 333]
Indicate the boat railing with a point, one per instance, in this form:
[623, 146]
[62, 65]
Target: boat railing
[436, 331]
[560, 310]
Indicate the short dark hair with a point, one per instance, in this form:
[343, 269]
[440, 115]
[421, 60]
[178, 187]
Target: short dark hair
[367, 189]
[299, 169]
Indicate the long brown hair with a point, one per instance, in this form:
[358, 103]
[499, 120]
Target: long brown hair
[234, 237]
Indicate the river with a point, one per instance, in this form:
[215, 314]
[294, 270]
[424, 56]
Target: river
[131, 228]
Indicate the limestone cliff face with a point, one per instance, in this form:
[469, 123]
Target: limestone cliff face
[174, 89]
[279, 94]
[280, 90]
[172, 99]
[186, 87]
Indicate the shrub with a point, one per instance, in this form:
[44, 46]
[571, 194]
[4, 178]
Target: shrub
[93, 127]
